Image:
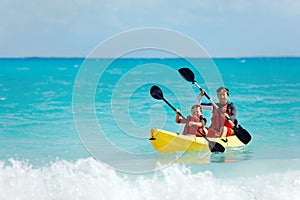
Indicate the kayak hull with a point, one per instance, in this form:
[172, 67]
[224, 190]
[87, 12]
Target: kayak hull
[169, 142]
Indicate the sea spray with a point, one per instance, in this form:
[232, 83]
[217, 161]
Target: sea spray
[90, 179]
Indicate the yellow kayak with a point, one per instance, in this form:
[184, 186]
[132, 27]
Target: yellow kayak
[169, 142]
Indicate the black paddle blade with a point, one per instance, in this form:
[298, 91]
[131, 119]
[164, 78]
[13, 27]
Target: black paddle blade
[187, 74]
[156, 93]
[241, 133]
[215, 147]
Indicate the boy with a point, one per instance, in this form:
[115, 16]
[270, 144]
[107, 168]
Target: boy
[220, 126]
[195, 123]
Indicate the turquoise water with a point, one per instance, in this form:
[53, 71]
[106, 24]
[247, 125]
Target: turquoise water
[71, 128]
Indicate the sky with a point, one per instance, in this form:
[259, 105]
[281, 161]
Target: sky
[225, 28]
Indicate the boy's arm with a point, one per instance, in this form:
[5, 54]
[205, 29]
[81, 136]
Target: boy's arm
[200, 124]
[233, 113]
[205, 106]
[177, 118]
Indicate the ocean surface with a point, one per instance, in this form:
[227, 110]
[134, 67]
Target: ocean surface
[74, 128]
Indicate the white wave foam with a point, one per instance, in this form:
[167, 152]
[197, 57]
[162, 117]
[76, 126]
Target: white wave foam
[89, 179]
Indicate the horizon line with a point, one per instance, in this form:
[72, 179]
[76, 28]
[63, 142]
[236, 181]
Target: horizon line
[140, 57]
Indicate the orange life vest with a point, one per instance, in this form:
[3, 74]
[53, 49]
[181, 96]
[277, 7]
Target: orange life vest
[218, 122]
[188, 130]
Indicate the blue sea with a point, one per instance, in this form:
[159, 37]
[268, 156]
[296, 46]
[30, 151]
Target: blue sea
[75, 128]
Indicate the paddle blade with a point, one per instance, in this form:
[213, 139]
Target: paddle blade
[242, 134]
[215, 147]
[187, 74]
[156, 93]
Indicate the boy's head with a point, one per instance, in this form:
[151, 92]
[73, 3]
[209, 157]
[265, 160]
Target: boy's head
[223, 90]
[196, 110]
[223, 94]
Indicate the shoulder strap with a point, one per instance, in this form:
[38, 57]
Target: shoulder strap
[229, 107]
[201, 117]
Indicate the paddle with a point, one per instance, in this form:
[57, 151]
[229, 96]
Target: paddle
[156, 93]
[242, 134]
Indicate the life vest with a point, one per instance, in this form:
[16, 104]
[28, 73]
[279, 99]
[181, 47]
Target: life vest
[189, 130]
[217, 121]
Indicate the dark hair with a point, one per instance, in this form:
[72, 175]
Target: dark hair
[196, 106]
[223, 88]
